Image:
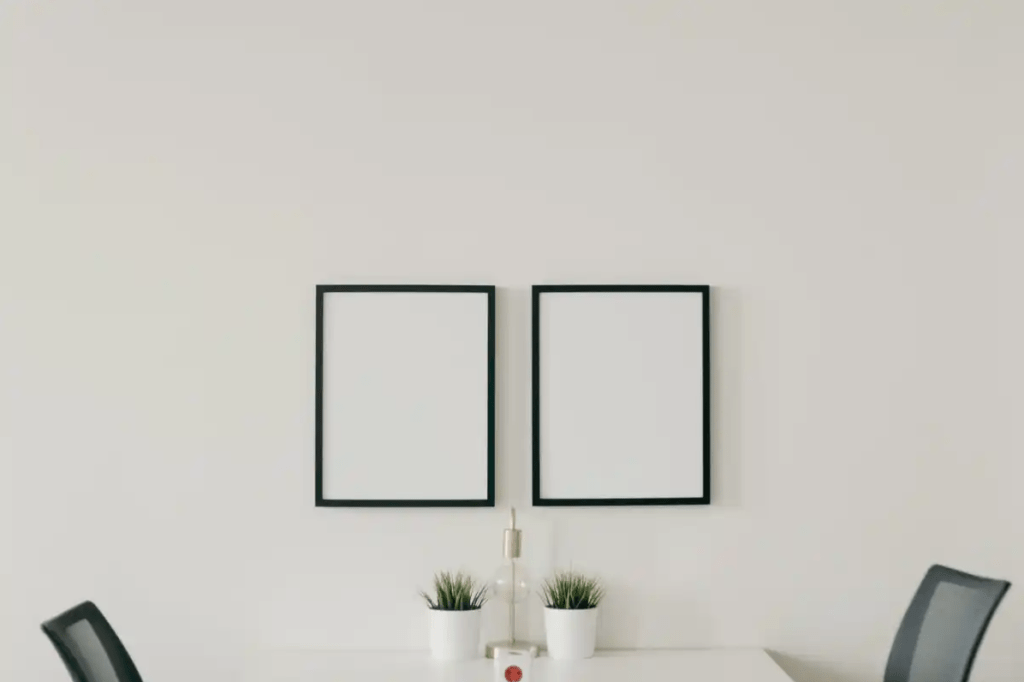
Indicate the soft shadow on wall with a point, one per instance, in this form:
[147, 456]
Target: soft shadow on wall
[727, 365]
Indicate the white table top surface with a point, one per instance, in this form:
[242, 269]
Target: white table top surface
[651, 665]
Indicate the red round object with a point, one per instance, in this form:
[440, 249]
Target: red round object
[513, 673]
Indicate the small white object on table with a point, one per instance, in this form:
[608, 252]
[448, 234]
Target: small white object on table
[650, 665]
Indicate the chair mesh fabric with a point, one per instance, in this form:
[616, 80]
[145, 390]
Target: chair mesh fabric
[89, 647]
[943, 627]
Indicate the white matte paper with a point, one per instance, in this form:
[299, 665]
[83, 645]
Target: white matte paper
[405, 396]
[621, 395]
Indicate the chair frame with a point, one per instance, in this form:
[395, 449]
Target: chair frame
[57, 630]
[901, 656]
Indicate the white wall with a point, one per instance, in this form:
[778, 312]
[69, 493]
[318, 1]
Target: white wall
[176, 177]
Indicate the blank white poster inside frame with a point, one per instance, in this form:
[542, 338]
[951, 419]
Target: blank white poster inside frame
[621, 395]
[405, 396]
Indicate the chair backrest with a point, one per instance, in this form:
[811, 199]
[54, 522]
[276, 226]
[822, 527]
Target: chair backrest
[943, 627]
[89, 647]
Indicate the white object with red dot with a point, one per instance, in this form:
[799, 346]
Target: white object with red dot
[512, 666]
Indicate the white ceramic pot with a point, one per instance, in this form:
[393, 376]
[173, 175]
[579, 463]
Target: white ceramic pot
[571, 633]
[454, 635]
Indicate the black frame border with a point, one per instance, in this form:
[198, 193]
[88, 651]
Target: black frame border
[705, 291]
[323, 289]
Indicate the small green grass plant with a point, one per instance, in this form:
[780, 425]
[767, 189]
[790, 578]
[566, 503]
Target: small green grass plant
[571, 590]
[455, 592]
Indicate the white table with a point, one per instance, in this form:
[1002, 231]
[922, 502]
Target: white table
[652, 665]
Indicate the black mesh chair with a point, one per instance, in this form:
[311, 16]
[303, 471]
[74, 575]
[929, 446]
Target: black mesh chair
[89, 646]
[943, 627]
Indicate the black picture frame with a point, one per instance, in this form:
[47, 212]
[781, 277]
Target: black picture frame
[704, 291]
[323, 290]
